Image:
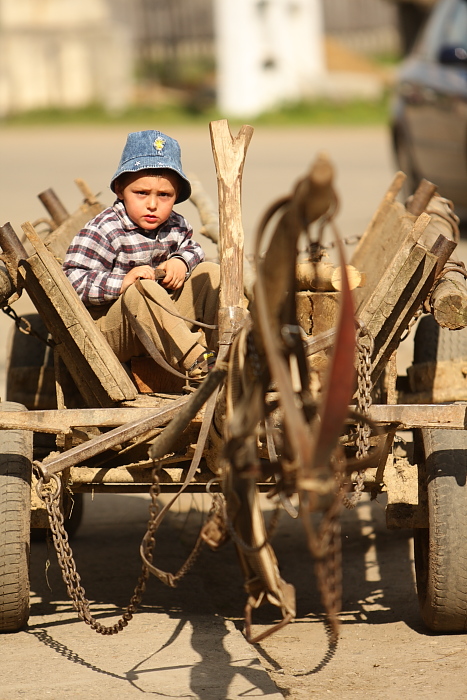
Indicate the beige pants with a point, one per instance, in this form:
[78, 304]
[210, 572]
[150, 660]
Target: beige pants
[179, 342]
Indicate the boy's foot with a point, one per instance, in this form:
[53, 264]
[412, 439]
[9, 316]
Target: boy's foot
[202, 365]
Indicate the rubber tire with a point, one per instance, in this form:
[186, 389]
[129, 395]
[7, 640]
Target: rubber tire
[16, 453]
[441, 549]
[28, 351]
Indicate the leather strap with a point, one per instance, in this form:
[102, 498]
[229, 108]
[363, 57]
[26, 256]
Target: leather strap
[144, 292]
[145, 338]
[166, 576]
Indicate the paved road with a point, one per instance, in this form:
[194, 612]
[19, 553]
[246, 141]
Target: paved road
[177, 646]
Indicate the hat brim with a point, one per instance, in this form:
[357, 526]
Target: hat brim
[185, 186]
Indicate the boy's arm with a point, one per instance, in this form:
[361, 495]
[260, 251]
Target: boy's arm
[88, 265]
[183, 246]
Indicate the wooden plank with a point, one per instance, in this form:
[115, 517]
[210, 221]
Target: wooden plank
[399, 269]
[73, 312]
[82, 374]
[397, 283]
[83, 352]
[391, 318]
[87, 355]
[405, 416]
[63, 420]
[385, 253]
[379, 219]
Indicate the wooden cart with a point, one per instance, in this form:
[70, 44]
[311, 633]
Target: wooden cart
[282, 410]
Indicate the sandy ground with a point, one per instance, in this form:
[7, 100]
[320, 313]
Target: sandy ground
[185, 642]
[190, 635]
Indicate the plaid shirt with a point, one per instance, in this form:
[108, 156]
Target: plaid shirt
[110, 245]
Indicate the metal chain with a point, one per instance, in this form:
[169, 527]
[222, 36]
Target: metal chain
[365, 346]
[350, 240]
[328, 570]
[149, 541]
[412, 322]
[27, 329]
[67, 564]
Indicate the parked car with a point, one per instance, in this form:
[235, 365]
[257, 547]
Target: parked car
[429, 112]
[411, 16]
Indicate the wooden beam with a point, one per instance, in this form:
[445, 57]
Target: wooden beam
[91, 362]
[229, 158]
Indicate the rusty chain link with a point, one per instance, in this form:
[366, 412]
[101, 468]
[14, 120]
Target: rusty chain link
[27, 329]
[67, 564]
[365, 347]
[149, 541]
[350, 240]
[328, 570]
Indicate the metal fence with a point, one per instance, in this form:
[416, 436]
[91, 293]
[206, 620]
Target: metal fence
[169, 29]
[178, 29]
[369, 26]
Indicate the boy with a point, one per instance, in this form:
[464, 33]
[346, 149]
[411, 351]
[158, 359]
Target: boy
[139, 256]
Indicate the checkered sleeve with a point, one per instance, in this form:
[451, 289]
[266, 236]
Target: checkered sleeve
[180, 238]
[89, 263]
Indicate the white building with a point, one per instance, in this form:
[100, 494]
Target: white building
[268, 52]
[62, 53]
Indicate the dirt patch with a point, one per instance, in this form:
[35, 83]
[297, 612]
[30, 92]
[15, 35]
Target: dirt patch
[383, 647]
[340, 58]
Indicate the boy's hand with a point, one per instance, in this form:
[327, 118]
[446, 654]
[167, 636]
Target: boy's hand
[146, 272]
[175, 272]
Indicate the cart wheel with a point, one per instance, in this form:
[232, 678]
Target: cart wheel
[15, 516]
[441, 549]
[29, 370]
[30, 377]
[73, 508]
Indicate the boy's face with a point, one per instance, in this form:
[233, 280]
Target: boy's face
[148, 199]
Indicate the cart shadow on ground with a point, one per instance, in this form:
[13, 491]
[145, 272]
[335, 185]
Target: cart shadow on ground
[378, 583]
[106, 551]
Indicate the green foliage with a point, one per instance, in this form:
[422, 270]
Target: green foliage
[193, 110]
[329, 112]
[178, 73]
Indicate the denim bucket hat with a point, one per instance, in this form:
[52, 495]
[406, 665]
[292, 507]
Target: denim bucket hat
[155, 150]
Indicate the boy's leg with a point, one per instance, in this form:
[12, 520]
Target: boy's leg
[172, 336]
[199, 299]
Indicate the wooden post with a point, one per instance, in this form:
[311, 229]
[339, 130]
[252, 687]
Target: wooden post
[229, 157]
[210, 228]
[54, 206]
